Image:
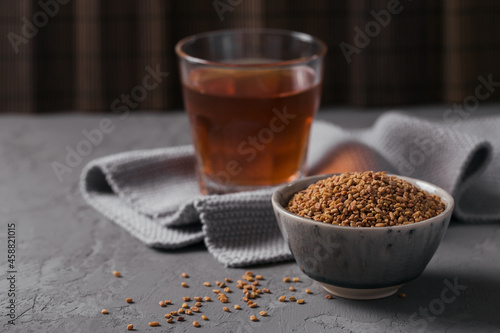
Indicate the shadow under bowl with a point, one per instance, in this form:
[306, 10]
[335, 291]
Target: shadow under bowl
[360, 263]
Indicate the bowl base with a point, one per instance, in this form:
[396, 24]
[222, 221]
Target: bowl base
[351, 293]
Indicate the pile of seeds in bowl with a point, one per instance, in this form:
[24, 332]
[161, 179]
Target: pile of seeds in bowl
[365, 199]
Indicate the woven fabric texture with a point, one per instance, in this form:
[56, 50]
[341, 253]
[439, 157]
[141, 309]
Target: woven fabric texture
[154, 195]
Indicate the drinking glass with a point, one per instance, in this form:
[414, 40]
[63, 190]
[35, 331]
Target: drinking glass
[251, 96]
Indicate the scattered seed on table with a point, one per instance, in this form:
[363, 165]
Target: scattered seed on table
[296, 279]
[287, 279]
[255, 283]
[402, 295]
[153, 323]
[198, 299]
[248, 278]
[104, 311]
[129, 300]
[258, 291]
[173, 313]
[282, 298]
[292, 298]
[308, 291]
[228, 280]
[117, 274]
[189, 312]
[300, 301]
[224, 300]
[168, 301]
[216, 291]
[237, 307]
[184, 305]
[130, 327]
[253, 318]
[266, 290]
[249, 273]
[162, 303]
[170, 320]
[328, 296]
[184, 285]
[253, 305]
[180, 311]
[222, 285]
[198, 304]
[249, 302]
[195, 309]
[291, 288]
[186, 299]
[227, 290]
[180, 318]
[168, 315]
[263, 313]
[204, 317]
[196, 324]
[206, 284]
[244, 299]
[185, 275]
[226, 309]
[217, 283]
[207, 299]
[259, 277]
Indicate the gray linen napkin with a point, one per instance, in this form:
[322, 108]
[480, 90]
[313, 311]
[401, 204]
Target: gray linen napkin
[153, 194]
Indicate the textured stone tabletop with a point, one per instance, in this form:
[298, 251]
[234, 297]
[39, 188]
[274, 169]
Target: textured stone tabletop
[66, 252]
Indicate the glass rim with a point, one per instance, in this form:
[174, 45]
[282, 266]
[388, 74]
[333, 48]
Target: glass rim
[294, 34]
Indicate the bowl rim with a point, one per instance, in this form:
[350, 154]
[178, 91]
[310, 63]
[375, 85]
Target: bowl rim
[274, 199]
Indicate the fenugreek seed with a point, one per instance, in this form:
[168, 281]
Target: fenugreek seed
[180, 318]
[173, 313]
[245, 299]
[184, 275]
[287, 279]
[195, 309]
[184, 305]
[225, 309]
[263, 313]
[249, 273]
[104, 311]
[130, 327]
[237, 307]
[117, 274]
[221, 295]
[253, 305]
[207, 299]
[282, 298]
[402, 295]
[196, 324]
[222, 285]
[168, 315]
[291, 288]
[266, 290]
[129, 300]
[239, 286]
[186, 299]
[227, 290]
[216, 291]
[206, 284]
[168, 301]
[184, 285]
[296, 279]
[180, 311]
[170, 320]
[224, 300]
[255, 283]
[300, 301]
[228, 280]
[328, 296]
[248, 278]
[189, 312]
[153, 323]
[259, 277]
[292, 298]
[249, 302]
[253, 318]
[308, 291]
[258, 291]
[198, 299]
[162, 303]
[198, 304]
[204, 317]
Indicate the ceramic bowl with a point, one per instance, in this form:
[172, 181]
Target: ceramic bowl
[360, 263]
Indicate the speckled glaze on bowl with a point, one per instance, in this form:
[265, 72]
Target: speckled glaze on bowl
[360, 263]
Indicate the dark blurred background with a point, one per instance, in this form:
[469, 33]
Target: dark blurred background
[60, 55]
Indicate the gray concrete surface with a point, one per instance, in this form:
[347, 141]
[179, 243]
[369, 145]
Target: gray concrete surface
[66, 251]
